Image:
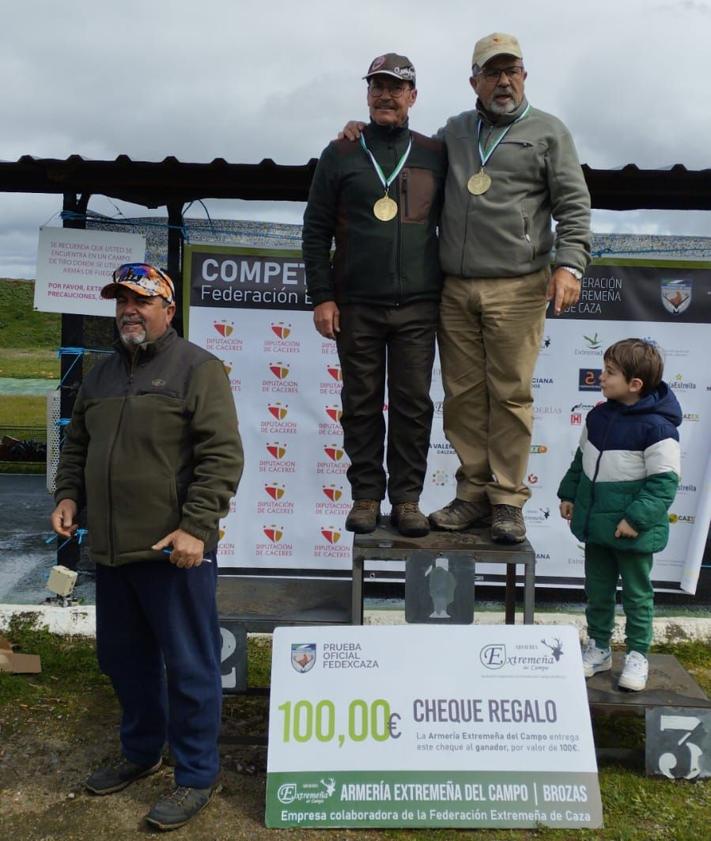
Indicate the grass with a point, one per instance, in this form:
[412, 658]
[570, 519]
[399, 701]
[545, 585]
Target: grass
[24, 363]
[636, 807]
[22, 410]
[20, 325]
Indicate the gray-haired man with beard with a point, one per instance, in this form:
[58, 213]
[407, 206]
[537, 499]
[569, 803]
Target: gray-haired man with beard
[512, 169]
[154, 452]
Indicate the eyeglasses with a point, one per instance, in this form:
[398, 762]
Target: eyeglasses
[492, 75]
[378, 89]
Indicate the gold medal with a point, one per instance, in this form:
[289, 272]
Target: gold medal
[385, 209]
[479, 183]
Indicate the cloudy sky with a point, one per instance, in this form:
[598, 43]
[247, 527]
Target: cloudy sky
[253, 80]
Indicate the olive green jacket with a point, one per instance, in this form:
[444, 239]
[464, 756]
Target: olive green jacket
[153, 446]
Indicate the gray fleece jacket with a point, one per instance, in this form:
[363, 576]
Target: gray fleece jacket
[535, 177]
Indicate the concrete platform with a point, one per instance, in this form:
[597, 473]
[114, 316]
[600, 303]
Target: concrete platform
[669, 685]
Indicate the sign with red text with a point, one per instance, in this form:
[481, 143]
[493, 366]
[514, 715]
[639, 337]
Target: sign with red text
[73, 265]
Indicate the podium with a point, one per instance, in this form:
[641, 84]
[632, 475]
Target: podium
[472, 545]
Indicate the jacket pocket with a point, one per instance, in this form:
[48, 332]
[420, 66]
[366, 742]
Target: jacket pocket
[417, 191]
[142, 517]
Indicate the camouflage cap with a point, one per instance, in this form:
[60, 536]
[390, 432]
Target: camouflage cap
[392, 64]
[142, 279]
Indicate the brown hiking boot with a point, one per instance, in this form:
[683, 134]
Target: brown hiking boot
[460, 514]
[409, 520]
[507, 524]
[364, 516]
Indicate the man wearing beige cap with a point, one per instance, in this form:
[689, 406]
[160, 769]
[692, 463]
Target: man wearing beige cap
[154, 453]
[512, 169]
[379, 295]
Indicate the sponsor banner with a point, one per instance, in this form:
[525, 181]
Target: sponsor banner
[286, 380]
[73, 266]
[659, 293]
[357, 737]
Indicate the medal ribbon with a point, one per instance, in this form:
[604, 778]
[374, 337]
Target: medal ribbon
[485, 157]
[386, 182]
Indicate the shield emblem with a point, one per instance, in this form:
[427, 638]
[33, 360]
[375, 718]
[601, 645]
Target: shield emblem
[676, 295]
[303, 656]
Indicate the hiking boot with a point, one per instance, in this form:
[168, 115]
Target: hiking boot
[635, 673]
[595, 659]
[507, 524]
[409, 520]
[118, 775]
[364, 516]
[461, 514]
[177, 808]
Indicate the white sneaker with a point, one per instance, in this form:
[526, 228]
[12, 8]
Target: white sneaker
[595, 659]
[634, 674]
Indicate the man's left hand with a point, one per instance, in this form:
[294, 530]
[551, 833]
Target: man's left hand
[188, 551]
[563, 290]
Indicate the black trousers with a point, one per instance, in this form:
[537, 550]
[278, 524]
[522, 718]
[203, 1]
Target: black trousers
[400, 342]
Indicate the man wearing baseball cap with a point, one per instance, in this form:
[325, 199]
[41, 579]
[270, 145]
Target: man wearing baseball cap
[512, 169]
[379, 295]
[153, 452]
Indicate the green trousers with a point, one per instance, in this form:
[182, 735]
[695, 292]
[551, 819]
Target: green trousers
[603, 568]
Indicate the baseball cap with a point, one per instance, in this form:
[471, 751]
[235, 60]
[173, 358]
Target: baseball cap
[498, 43]
[392, 64]
[142, 279]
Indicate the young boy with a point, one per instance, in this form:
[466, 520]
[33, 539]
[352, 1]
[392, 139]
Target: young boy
[616, 495]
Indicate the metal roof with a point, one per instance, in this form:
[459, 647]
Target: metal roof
[172, 182]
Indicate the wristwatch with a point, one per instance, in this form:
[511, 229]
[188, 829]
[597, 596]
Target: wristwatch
[577, 274]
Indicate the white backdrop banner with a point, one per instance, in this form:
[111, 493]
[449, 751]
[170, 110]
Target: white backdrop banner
[249, 307]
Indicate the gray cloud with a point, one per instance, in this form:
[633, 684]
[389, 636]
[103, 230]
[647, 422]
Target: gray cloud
[277, 80]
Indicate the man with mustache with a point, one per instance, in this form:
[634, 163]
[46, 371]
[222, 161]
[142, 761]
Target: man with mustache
[154, 452]
[379, 296]
[512, 169]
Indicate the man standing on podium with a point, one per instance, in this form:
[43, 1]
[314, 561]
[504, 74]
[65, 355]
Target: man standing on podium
[379, 295]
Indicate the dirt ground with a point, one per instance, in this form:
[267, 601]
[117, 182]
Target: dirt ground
[44, 759]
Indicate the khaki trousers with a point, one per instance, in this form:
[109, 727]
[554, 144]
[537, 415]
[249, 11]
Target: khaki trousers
[489, 337]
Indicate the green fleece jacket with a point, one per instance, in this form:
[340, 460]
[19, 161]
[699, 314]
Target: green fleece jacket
[153, 445]
[381, 263]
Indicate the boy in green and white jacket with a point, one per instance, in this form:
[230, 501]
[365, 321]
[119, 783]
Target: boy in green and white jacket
[616, 495]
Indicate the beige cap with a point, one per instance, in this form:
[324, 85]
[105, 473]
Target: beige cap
[498, 43]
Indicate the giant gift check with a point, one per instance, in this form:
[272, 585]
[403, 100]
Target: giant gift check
[461, 726]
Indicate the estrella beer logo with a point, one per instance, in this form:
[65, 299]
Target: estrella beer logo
[278, 411]
[332, 492]
[224, 328]
[280, 371]
[275, 491]
[276, 450]
[335, 372]
[331, 534]
[273, 533]
[333, 452]
[335, 413]
[227, 366]
[281, 330]
[539, 448]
